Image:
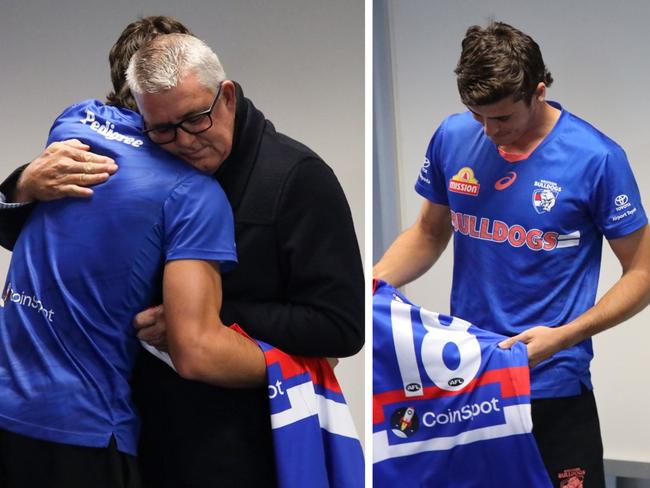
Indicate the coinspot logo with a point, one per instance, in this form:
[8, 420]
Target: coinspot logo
[26, 300]
[404, 422]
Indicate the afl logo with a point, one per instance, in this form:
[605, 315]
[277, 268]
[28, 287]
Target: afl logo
[506, 181]
[456, 382]
[413, 387]
[404, 422]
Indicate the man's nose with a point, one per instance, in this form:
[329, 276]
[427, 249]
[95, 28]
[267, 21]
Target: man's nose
[490, 127]
[184, 138]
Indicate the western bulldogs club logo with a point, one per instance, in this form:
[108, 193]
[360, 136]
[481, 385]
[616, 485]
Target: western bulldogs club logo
[545, 196]
[404, 422]
[543, 200]
[572, 478]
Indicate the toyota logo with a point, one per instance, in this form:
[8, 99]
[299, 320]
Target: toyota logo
[621, 200]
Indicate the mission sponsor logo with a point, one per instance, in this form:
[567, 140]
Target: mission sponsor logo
[545, 195]
[464, 182]
[515, 235]
[26, 300]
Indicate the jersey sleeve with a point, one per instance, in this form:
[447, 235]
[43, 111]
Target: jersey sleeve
[616, 203]
[431, 180]
[198, 223]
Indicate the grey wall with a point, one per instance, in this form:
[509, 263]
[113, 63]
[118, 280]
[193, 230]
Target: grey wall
[300, 61]
[597, 52]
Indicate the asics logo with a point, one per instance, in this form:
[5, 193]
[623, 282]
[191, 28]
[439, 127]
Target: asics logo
[506, 181]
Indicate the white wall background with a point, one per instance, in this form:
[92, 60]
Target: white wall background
[597, 52]
[300, 61]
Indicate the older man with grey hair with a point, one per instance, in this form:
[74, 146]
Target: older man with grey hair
[299, 283]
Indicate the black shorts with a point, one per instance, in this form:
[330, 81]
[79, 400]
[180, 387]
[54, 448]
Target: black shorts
[567, 432]
[33, 463]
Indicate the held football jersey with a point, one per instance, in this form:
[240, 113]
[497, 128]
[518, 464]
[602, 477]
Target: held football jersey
[314, 438]
[450, 408]
[82, 268]
[528, 235]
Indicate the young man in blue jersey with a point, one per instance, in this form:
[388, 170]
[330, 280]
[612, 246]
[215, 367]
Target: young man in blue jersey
[80, 271]
[527, 187]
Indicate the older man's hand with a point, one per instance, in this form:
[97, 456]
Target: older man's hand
[151, 327]
[63, 169]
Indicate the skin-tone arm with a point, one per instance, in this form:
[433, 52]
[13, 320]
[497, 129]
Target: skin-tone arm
[201, 347]
[417, 248]
[628, 296]
[152, 329]
[63, 169]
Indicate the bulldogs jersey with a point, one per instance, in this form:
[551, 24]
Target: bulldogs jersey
[314, 438]
[450, 408]
[528, 235]
[82, 268]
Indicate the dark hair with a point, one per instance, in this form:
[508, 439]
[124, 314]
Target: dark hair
[497, 62]
[135, 35]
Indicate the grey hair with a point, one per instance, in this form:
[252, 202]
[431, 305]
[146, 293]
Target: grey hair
[168, 58]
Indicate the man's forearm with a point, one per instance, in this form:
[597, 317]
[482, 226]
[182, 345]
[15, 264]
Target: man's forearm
[629, 295]
[222, 357]
[200, 346]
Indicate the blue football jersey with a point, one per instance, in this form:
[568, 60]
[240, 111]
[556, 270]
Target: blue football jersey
[450, 408]
[82, 268]
[314, 438]
[528, 235]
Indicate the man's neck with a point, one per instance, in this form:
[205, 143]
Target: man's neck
[541, 126]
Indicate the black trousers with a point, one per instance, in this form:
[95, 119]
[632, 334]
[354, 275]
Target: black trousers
[196, 435]
[567, 431]
[33, 463]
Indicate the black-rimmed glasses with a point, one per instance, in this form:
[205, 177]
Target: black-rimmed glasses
[192, 124]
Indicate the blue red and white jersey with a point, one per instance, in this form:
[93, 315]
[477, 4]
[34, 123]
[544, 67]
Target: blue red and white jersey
[80, 271]
[450, 408]
[528, 235]
[314, 437]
